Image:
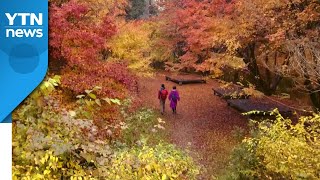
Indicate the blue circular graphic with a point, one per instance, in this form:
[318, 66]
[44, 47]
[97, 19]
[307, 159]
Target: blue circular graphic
[24, 58]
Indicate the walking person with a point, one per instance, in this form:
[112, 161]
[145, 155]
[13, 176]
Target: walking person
[174, 98]
[162, 96]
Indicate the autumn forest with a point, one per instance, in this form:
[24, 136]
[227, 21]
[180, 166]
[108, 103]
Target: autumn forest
[254, 114]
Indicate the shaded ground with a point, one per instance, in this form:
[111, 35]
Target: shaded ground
[204, 123]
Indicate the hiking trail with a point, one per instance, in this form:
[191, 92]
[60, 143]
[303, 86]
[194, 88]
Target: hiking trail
[203, 124]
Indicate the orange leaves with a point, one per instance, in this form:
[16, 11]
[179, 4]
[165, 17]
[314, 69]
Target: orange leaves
[80, 40]
[196, 27]
[279, 36]
[311, 13]
[101, 8]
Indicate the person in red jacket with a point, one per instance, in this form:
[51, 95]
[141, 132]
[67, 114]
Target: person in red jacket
[162, 96]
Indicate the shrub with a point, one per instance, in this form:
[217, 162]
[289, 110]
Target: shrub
[55, 146]
[144, 125]
[163, 161]
[279, 150]
[52, 143]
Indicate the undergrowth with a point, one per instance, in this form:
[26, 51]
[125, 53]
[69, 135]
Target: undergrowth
[50, 142]
[278, 149]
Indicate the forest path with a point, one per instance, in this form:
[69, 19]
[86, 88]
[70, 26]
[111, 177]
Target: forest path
[203, 124]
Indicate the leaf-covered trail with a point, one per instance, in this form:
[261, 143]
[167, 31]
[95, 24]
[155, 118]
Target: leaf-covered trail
[203, 123]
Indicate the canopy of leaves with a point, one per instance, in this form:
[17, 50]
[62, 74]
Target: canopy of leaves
[194, 31]
[82, 43]
[132, 44]
[261, 37]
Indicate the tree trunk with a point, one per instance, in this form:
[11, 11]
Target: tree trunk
[313, 93]
[250, 59]
[274, 79]
[147, 9]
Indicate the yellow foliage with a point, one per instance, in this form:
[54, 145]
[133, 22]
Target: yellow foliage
[214, 64]
[279, 149]
[101, 8]
[162, 162]
[133, 44]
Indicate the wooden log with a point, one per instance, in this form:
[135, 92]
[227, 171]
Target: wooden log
[181, 81]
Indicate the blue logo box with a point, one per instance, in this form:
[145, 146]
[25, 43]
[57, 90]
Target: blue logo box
[23, 51]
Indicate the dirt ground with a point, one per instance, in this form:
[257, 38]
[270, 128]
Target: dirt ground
[203, 124]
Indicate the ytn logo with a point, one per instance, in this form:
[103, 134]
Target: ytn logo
[24, 25]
